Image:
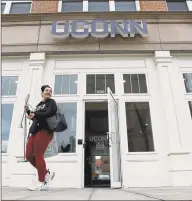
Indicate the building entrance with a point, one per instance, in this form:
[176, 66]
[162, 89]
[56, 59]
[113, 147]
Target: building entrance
[97, 160]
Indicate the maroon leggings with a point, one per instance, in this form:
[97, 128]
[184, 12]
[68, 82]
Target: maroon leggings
[36, 146]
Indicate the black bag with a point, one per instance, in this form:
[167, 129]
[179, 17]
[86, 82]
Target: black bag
[57, 123]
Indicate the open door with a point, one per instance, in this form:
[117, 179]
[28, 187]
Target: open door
[114, 141]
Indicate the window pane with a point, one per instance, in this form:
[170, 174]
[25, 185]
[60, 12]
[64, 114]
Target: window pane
[188, 82]
[67, 140]
[91, 84]
[100, 84]
[9, 85]
[73, 84]
[58, 84]
[13, 85]
[18, 8]
[135, 84]
[142, 83]
[139, 129]
[127, 83]
[190, 107]
[6, 80]
[125, 6]
[72, 6]
[98, 6]
[7, 111]
[65, 84]
[110, 82]
[2, 8]
[175, 5]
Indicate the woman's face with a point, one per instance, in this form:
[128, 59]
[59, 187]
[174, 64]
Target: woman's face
[47, 93]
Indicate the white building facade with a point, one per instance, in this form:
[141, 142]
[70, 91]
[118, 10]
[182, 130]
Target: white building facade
[149, 99]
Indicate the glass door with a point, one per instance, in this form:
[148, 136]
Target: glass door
[114, 141]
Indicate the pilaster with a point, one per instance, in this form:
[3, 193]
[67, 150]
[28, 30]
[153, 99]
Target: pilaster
[163, 62]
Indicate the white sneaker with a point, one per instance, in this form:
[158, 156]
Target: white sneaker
[39, 186]
[49, 177]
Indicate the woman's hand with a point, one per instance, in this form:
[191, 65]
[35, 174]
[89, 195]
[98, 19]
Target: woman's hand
[31, 116]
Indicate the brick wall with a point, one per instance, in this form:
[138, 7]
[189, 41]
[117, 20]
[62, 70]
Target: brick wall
[45, 6]
[151, 5]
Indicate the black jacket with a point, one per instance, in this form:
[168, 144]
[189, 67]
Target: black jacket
[42, 111]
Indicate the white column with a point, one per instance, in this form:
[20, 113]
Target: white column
[31, 82]
[37, 63]
[163, 62]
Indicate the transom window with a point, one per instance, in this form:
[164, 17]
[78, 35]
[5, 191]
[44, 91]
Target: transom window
[16, 7]
[121, 5]
[139, 128]
[188, 82]
[9, 85]
[98, 6]
[98, 83]
[135, 83]
[72, 5]
[176, 5]
[65, 84]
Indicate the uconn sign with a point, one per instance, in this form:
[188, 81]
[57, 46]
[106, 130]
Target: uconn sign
[99, 28]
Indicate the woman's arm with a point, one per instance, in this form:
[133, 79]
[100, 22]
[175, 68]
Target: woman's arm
[47, 111]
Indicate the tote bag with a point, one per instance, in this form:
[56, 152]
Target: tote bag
[52, 149]
[57, 123]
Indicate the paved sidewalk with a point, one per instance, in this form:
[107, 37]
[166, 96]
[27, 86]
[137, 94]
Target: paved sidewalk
[166, 193]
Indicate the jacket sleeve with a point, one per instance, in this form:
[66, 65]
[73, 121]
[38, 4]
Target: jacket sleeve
[48, 111]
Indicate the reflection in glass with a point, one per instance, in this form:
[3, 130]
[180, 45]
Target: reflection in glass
[91, 79]
[135, 83]
[110, 82]
[188, 82]
[9, 85]
[67, 140]
[190, 107]
[100, 169]
[139, 129]
[7, 111]
[98, 83]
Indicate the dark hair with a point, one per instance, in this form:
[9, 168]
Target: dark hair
[43, 87]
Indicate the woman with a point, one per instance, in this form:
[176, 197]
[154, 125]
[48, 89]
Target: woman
[40, 137]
